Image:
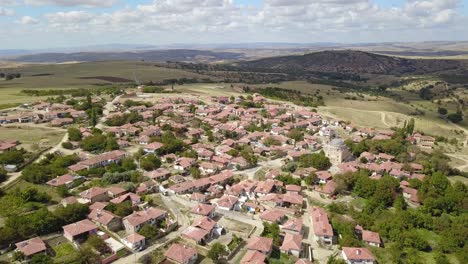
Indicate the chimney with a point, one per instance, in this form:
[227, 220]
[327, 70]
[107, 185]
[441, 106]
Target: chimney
[358, 252]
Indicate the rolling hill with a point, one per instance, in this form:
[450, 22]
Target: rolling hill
[149, 55]
[353, 62]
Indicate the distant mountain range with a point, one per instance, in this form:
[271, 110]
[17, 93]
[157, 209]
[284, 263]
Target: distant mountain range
[149, 55]
[248, 50]
[350, 61]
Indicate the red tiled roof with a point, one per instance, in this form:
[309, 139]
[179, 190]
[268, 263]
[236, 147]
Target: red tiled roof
[370, 236]
[140, 217]
[79, 227]
[102, 216]
[134, 238]
[353, 253]
[253, 257]
[320, 222]
[262, 244]
[272, 215]
[180, 253]
[293, 224]
[31, 246]
[203, 209]
[292, 242]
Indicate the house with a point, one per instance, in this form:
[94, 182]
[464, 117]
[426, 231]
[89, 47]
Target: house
[152, 147]
[79, 231]
[293, 226]
[181, 254]
[410, 195]
[253, 257]
[94, 194]
[371, 238]
[136, 220]
[183, 164]
[61, 122]
[261, 244]
[274, 216]
[31, 247]
[134, 198]
[292, 245]
[134, 241]
[202, 230]
[204, 210]
[159, 174]
[322, 228]
[329, 189]
[198, 197]
[106, 219]
[66, 180]
[291, 188]
[115, 191]
[353, 255]
[323, 177]
[228, 203]
[68, 200]
[101, 160]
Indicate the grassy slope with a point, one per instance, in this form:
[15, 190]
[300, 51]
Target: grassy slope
[68, 76]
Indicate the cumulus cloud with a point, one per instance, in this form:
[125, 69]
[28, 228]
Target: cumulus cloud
[273, 20]
[6, 12]
[86, 3]
[27, 20]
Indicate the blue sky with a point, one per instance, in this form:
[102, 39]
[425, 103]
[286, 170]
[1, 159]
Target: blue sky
[71, 23]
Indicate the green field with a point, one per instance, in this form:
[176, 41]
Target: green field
[66, 76]
[28, 136]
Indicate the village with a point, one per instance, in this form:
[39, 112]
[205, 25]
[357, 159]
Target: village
[240, 179]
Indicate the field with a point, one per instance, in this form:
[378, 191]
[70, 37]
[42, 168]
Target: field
[80, 75]
[29, 136]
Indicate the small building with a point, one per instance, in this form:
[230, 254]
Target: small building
[31, 247]
[136, 220]
[106, 219]
[94, 194]
[292, 245]
[371, 238]
[134, 241]
[181, 254]
[353, 255]
[204, 210]
[253, 257]
[79, 231]
[261, 244]
[337, 151]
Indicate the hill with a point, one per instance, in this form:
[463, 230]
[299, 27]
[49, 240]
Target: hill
[352, 62]
[148, 55]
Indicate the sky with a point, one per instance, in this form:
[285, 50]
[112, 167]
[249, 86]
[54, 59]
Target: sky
[40, 24]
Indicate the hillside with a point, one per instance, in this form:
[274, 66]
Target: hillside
[151, 55]
[353, 62]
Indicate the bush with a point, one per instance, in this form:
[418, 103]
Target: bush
[455, 117]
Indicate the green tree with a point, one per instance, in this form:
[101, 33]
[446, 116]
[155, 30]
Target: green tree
[216, 252]
[41, 259]
[316, 160]
[149, 231]
[74, 134]
[150, 162]
[442, 111]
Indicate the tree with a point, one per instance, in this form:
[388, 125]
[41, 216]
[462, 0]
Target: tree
[150, 162]
[149, 231]
[442, 111]
[217, 251]
[94, 143]
[272, 231]
[296, 134]
[41, 259]
[97, 243]
[72, 213]
[3, 175]
[111, 144]
[455, 117]
[74, 134]
[316, 160]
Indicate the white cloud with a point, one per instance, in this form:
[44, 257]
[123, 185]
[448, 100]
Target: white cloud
[85, 3]
[27, 20]
[6, 12]
[166, 21]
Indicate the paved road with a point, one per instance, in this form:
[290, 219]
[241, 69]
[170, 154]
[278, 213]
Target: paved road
[270, 164]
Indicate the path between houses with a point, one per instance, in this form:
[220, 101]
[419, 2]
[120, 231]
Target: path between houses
[183, 222]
